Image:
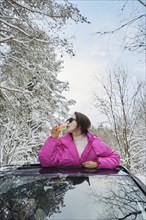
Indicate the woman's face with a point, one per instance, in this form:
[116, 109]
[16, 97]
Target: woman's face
[71, 124]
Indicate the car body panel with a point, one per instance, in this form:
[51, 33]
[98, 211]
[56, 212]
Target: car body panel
[33, 192]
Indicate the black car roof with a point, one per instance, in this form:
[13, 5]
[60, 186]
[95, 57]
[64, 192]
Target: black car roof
[70, 193]
[37, 170]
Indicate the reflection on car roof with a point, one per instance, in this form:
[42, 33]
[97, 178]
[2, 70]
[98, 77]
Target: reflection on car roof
[34, 192]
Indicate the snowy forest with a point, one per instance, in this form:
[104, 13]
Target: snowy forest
[32, 45]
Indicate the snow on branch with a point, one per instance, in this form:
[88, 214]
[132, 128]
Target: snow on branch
[14, 90]
[33, 10]
[7, 98]
[17, 60]
[14, 26]
[142, 150]
[6, 39]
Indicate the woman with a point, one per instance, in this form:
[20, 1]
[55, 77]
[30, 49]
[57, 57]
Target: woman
[78, 147]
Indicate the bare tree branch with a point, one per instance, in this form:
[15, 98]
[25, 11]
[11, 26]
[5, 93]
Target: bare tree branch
[123, 107]
[117, 29]
[142, 3]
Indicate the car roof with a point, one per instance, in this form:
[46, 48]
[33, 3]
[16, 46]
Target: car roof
[69, 193]
[37, 169]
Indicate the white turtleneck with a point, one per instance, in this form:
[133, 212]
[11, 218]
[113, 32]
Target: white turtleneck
[80, 142]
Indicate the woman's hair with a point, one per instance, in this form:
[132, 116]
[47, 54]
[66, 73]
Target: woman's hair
[83, 122]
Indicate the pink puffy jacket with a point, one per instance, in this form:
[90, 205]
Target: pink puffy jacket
[62, 151]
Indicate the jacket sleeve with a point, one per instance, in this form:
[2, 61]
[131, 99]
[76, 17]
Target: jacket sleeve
[106, 156]
[48, 153]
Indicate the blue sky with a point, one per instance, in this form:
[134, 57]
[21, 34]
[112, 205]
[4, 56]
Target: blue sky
[96, 55]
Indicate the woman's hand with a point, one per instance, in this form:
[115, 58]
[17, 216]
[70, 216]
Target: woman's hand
[90, 164]
[55, 131]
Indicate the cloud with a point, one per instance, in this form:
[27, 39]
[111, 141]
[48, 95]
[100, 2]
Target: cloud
[98, 53]
[80, 73]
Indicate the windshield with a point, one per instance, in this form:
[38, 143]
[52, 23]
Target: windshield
[70, 197]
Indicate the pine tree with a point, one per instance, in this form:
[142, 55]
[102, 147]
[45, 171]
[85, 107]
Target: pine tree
[30, 92]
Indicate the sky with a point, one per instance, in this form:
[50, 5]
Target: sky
[95, 55]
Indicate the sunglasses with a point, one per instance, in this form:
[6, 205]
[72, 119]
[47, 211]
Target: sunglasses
[70, 120]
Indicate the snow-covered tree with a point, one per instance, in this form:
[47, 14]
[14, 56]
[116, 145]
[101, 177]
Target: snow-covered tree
[30, 92]
[21, 21]
[138, 141]
[123, 104]
[31, 102]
